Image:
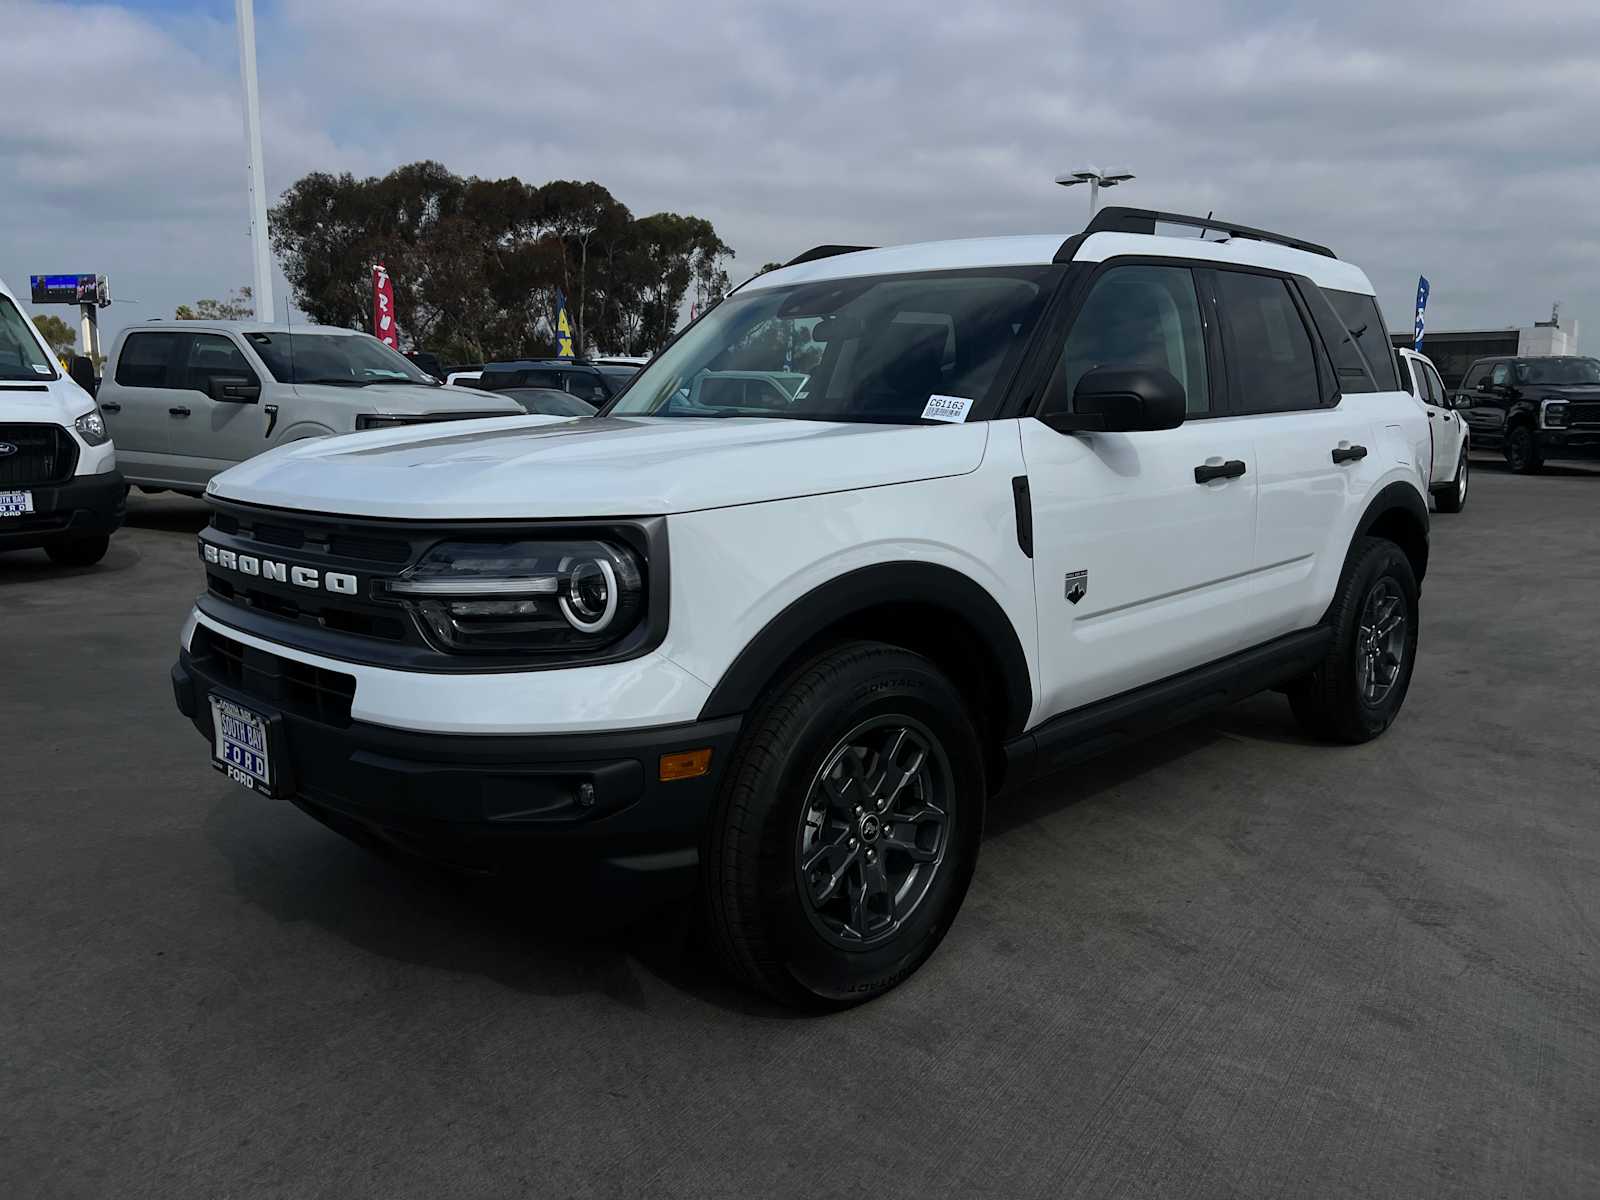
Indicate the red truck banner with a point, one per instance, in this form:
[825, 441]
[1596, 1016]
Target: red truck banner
[383, 326]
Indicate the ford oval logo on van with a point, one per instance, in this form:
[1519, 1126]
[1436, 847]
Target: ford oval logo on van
[7, 449]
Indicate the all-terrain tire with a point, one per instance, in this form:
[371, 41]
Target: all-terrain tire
[1335, 701]
[780, 801]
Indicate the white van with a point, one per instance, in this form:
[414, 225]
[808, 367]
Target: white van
[59, 484]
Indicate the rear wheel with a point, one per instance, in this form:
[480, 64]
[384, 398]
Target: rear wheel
[1452, 498]
[1522, 451]
[1355, 692]
[78, 552]
[847, 829]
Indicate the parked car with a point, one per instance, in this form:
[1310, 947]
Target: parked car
[186, 400]
[1035, 498]
[463, 378]
[588, 382]
[548, 402]
[60, 489]
[1533, 409]
[1446, 430]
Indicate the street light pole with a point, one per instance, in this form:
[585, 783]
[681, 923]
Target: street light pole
[261, 252]
[1096, 179]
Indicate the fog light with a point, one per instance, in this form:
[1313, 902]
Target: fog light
[685, 764]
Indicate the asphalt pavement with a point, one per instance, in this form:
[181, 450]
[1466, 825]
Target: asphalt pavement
[1224, 963]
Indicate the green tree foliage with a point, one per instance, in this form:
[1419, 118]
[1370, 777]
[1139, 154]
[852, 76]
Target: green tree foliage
[240, 306]
[56, 333]
[477, 263]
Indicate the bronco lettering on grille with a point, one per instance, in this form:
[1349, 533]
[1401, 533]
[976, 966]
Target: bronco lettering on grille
[279, 572]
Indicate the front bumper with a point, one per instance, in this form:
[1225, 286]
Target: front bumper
[480, 801]
[1568, 443]
[83, 506]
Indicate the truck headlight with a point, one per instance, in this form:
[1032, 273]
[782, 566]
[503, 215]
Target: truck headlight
[91, 427]
[1553, 414]
[524, 596]
[381, 421]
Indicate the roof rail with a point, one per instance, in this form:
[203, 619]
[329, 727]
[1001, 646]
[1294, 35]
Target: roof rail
[817, 252]
[1144, 220]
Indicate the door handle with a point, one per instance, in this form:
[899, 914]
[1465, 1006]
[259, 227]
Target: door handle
[1206, 472]
[1344, 454]
[110, 406]
[179, 412]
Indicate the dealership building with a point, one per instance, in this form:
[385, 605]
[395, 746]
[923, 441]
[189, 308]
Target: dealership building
[1453, 351]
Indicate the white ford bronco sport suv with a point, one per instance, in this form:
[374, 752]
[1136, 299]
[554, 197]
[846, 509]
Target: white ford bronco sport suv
[883, 532]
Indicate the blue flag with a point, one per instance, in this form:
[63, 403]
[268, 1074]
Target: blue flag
[563, 327]
[1422, 307]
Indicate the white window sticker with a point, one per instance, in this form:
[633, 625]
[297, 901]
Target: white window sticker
[947, 408]
[40, 369]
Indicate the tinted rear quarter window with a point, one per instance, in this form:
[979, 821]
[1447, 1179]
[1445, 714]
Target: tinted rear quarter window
[1361, 317]
[1270, 358]
[144, 358]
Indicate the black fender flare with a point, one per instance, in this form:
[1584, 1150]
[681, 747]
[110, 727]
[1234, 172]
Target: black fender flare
[1402, 498]
[922, 584]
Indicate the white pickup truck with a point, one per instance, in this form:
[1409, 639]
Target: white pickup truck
[187, 399]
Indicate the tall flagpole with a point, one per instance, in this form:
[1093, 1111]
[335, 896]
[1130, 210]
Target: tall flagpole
[261, 251]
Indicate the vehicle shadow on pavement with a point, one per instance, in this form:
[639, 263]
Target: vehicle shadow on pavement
[33, 566]
[541, 934]
[1263, 718]
[1485, 460]
[559, 936]
[167, 513]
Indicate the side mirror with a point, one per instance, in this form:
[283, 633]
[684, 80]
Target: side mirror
[236, 389]
[80, 369]
[1122, 400]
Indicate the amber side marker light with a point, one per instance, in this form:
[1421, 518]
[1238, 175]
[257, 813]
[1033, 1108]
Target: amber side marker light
[685, 764]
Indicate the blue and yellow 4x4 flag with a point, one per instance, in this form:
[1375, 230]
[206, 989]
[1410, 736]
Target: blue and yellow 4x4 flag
[563, 328]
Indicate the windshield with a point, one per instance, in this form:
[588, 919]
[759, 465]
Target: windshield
[349, 360]
[21, 356]
[1559, 370]
[874, 348]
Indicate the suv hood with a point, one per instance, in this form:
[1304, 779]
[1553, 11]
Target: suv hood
[532, 467]
[409, 399]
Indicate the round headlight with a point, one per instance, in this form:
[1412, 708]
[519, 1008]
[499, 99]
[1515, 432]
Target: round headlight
[590, 601]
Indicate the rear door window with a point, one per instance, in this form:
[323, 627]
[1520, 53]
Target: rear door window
[1361, 317]
[144, 360]
[1271, 363]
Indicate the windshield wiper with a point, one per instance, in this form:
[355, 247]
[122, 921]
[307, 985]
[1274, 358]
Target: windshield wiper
[344, 382]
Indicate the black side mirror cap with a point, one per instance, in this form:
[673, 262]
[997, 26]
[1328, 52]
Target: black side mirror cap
[1122, 400]
[236, 389]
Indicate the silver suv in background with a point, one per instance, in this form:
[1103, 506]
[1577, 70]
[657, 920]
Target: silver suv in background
[187, 400]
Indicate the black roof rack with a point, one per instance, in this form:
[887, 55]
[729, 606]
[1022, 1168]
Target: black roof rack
[817, 252]
[1144, 220]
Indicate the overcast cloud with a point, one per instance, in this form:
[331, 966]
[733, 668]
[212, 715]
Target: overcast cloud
[1459, 140]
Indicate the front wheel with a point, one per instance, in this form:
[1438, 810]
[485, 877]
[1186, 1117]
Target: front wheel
[847, 828]
[78, 552]
[1522, 451]
[1452, 497]
[1356, 691]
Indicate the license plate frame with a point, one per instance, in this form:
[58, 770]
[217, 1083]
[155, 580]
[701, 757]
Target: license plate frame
[247, 744]
[16, 502]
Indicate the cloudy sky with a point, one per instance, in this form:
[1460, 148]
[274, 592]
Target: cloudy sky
[1458, 139]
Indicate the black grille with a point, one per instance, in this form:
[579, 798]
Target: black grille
[1583, 414]
[299, 688]
[43, 454]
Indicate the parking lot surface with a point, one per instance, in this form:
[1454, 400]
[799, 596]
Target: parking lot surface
[1224, 963]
